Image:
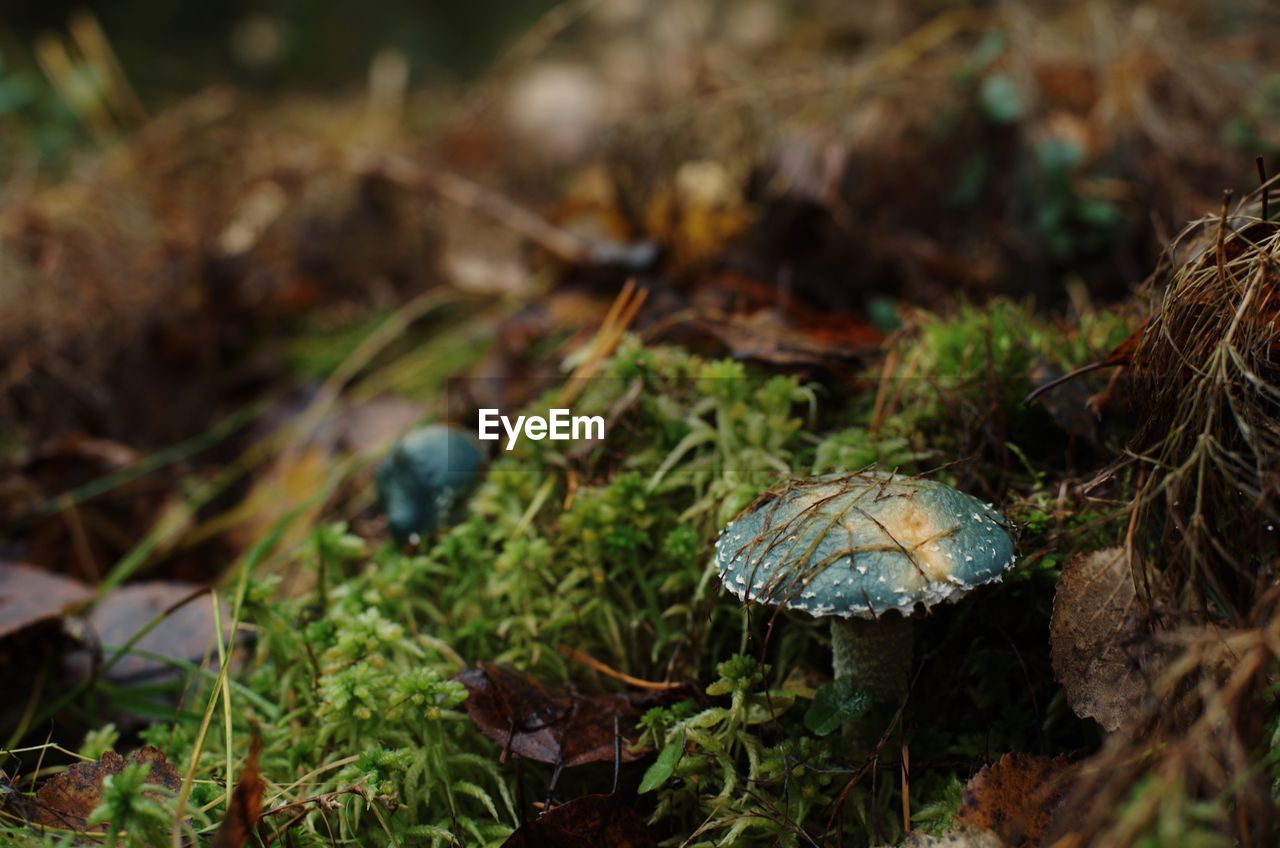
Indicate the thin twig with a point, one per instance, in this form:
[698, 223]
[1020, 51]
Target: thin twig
[1262, 178]
[595, 665]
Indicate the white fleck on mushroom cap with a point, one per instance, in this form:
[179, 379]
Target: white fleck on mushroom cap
[861, 544]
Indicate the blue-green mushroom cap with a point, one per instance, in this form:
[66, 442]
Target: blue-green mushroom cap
[424, 476]
[861, 544]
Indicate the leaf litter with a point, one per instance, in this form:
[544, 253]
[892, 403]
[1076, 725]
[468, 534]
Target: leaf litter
[555, 723]
[1015, 797]
[1104, 653]
[30, 596]
[244, 816]
[66, 800]
[591, 821]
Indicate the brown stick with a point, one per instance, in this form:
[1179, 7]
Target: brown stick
[595, 665]
[1070, 375]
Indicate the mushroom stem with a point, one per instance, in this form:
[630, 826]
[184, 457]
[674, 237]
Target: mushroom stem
[874, 652]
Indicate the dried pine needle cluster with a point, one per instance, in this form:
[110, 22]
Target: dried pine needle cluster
[1205, 511]
[1204, 549]
[1203, 780]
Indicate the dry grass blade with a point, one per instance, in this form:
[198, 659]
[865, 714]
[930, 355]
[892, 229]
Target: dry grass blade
[622, 312]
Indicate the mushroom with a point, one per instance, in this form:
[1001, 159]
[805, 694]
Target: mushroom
[424, 476]
[864, 549]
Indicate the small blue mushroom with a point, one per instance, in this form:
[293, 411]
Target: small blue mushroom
[424, 476]
[864, 549]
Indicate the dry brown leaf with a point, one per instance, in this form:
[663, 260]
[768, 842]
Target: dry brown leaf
[1098, 640]
[245, 812]
[67, 800]
[31, 595]
[186, 632]
[1015, 798]
[765, 322]
[552, 723]
[764, 337]
[592, 821]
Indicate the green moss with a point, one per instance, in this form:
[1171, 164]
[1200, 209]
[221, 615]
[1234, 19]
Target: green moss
[956, 390]
[608, 552]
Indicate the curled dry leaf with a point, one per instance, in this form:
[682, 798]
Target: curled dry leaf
[591, 821]
[1098, 637]
[1015, 798]
[66, 800]
[245, 812]
[824, 342]
[554, 724]
[31, 595]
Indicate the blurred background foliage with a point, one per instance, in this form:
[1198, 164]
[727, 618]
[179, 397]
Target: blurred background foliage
[169, 50]
[173, 48]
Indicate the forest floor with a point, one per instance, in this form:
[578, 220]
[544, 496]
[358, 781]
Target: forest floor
[762, 246]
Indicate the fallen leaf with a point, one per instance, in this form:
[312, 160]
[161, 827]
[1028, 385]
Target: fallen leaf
[1015, 797]
[1098, 639]
[765, 323]
[810, 165]
[318, 436]
[185, 632]
[765, 337]
[592, 821]
[66, 800]
[31, 595]
[245, 812]
[554, 724]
